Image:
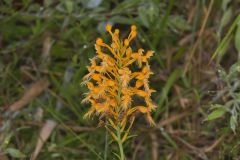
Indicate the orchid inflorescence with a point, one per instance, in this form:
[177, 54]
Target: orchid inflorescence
[114, 86]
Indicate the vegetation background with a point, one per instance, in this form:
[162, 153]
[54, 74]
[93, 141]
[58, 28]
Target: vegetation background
[45, 46]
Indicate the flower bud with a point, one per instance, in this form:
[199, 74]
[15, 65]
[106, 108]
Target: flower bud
[99, 41]
[108, 27]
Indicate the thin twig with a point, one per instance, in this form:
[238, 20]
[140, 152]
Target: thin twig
[172, 119]
[35, 90]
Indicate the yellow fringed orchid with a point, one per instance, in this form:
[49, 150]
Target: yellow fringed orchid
[113, 84]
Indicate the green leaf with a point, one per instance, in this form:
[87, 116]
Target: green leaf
[179, 23]
[114, 136]
[226, 39]
[217, 113]
[93, 3]
[216, 106]
[117, 155]
[143, 17]
[166, 89]
[169, 138]
[234, 69]
[237, 39]
[69, 6]
[121, 20]
[15, 153]
[127, 132]
[224, 4]
[233, 122]
[226, 18]
[125, 5]
[48, 3]
[222, 73]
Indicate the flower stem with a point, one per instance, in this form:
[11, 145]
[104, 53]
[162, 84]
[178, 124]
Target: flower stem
[120, 145]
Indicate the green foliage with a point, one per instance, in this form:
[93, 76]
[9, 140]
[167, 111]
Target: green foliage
[237, 38]
[170, 28]
[218, 111]
[15, 153]
[231, 92]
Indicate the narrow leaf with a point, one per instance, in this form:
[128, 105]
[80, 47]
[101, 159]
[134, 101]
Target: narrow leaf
[117, 155]
[112, 134]
[233, 123]
[217, 113]
[112, 124]
[15, 153]
[127, 132]
[237, 39]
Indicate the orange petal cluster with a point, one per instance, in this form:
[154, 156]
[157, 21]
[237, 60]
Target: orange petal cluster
[114, 83]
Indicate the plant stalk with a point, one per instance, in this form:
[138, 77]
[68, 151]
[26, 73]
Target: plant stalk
[120, 144]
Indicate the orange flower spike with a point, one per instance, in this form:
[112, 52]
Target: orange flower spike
[110, 80]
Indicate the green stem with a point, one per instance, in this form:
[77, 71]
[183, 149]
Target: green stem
[120, 145]
[106, 146]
